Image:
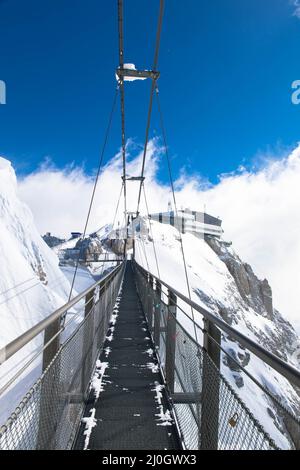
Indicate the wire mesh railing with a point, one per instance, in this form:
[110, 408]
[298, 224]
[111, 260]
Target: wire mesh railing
[209, 413]
[49, 415]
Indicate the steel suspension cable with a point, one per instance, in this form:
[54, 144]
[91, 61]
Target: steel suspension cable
[153, 85]
[145, 253]
[39, 283]
[95, 184]
[17, 285]
[122, 96]
[163, 130]
[113, 224]
[117, 207]
[151, 232]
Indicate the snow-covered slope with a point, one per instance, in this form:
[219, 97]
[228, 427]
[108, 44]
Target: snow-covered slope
[226, 286]
[31, 283]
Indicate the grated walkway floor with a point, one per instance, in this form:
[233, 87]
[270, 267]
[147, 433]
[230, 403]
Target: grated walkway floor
[126, 410]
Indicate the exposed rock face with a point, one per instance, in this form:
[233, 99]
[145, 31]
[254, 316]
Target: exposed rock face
[90, 248]
[256, 293]
[52, 240]
[266, 294]
[117, 245]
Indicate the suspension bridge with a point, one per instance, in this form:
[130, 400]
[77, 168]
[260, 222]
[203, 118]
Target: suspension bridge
[128, 374]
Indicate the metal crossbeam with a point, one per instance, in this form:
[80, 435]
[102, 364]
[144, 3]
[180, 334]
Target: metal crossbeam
[104, 260]
[123, 73]
[133, 178]
[186, 398]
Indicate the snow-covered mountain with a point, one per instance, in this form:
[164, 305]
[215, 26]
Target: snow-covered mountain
[32, 285]
[31, 282]
[227, 287]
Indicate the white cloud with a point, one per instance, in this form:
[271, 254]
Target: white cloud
[260, 213]
[260, 210]
[59, 198]
[296, 4]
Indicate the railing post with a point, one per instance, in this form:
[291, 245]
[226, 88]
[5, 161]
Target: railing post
[89, 302]
[171, 340]
[210, 387]
[141, 284]
[87, 347]
[47, 438]
[53, 347]
[149, 301]
[157, 314]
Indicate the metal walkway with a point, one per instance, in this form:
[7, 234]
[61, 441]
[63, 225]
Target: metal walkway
[131, 410]
[127, 410]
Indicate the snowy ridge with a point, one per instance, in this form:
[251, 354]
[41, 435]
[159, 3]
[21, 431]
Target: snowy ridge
[31, 283]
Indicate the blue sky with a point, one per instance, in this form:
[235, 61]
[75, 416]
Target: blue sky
[226, 72]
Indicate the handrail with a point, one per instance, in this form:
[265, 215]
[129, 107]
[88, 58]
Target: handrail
[286, 370]
[18, 343]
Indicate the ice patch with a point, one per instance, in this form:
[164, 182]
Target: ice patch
[150, 352]
[107, 351]
[110, 337]
[96, 382]
[113, 318]
[154, 367]
[164, 417]
[90, 423]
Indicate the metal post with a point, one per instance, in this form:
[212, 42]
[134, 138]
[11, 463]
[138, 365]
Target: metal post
[47, 421]
[157, 314]
[111, 297]
[171, 340]
[108, 306]
[149, 301]
[208, 439]
[87, 346]
[142, 282]
[89, 302]
[53, 347]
